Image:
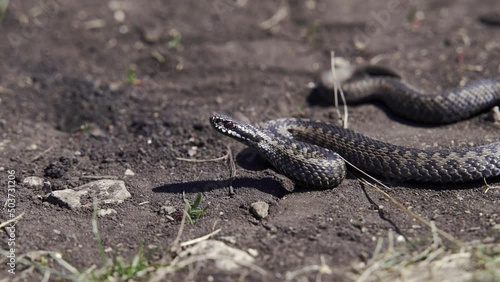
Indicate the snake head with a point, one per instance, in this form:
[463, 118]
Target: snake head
[241, 131]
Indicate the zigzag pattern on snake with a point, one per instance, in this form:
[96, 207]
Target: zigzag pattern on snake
[310, 152]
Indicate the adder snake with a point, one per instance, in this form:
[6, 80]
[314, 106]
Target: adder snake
[312, 153]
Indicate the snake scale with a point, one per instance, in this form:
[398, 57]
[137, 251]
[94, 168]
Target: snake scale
[312, 153]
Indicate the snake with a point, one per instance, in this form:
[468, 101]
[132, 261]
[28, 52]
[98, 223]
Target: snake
[413, 104]
[317, 153]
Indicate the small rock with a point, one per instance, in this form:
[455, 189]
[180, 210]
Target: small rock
[259, 209]
[123, 29]
[229, 239]
[167, 210]
[33, 181]
[253, 252]
[94, 24]
[151, 35]
[192, 151]
[115, 5]
[129, 172]
[228, 258]
[119, 16]
[105, 212]
[115, 86]
[495, 114]
[106, 191]
[67, 197]
[96, 131]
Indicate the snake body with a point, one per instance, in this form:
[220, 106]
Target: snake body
[313, 152]
[411, 103]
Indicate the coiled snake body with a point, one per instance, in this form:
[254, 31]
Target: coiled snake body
[313, 152]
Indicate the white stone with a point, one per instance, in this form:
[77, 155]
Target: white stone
[225, 257]
[259, 209]
[33, 181]
[106, 191]
[105, 212]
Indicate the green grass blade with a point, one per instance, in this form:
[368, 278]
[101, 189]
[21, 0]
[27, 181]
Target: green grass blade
[97, 236]
[197, 201]
[4, 4]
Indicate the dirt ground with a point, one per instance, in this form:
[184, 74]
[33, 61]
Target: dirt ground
[89, 89]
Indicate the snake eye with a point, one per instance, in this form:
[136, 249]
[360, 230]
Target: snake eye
[228, 124]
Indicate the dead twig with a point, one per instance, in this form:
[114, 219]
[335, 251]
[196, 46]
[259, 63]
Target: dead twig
[281, 14]
[446, 235]
[199, 239]
[42, 153]
[15, 219]
[232, 169]
[337, 88]
[203, 160]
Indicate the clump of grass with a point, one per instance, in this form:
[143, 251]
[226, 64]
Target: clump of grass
[51, 264]
[131, 76]
[85, 128]
[431, 263]
[193, 211]
[175, 40]
[4, 4]
[117, 268]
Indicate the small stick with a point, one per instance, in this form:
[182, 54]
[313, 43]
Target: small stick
[42, 153]
[175, 245]
[99, 177]
[203, 160]
[199, 239]
[15, 219]
[232, 169]
[338, 89]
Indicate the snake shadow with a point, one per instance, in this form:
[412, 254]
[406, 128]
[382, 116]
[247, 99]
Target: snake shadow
[267, 185]
[275, 184]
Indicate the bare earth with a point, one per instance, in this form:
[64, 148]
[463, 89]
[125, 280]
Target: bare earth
[67, 112]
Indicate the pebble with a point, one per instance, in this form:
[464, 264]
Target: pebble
[151, 35]
[94, 24]
[119, 16]
[167, 210]
[229, 259]
[259, 209]
[495, 114]
[253, 252]
[105, 212]
[129, 172]
[107, 191]
[33, 181]
[192, 151]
